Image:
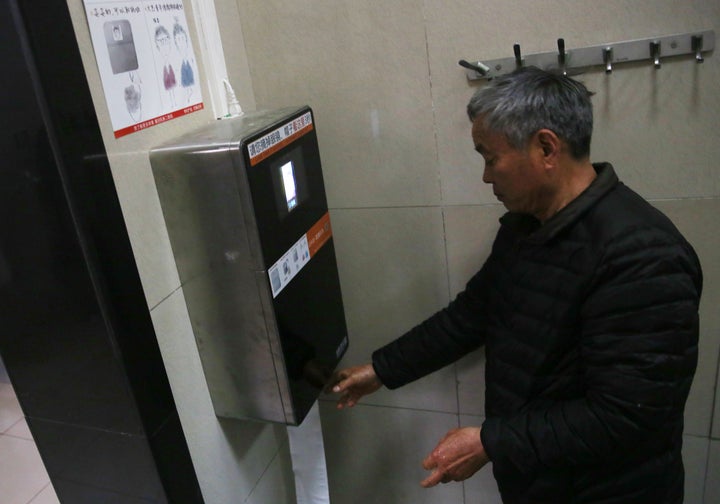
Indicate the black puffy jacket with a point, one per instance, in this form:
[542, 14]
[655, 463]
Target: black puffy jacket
[590, 328]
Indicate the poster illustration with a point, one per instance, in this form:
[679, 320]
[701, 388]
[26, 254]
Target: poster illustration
[146, 61]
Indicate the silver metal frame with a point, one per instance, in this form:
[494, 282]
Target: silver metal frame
[653, 50]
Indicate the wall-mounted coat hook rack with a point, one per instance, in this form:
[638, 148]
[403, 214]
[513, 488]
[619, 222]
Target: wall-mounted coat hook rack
[653, 50]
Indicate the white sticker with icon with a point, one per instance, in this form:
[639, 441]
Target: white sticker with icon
[289, 265]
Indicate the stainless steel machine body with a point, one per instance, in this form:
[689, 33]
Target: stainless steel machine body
[245, 208]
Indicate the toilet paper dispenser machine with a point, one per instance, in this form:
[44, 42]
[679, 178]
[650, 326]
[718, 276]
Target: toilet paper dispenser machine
[246, 212]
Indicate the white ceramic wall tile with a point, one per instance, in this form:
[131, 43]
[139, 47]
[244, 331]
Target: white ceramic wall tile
[236, 59]
[392, 267]
[146, 226]
[375, 454]
[471, 384]
[277, 484]
[20, 430]
[230, 456]
[712, 479]
[47, 496]
[393, 276]
[482, 487]
[435, 392]
[180, 355]
[362, 66]
[697, 220]
[469, 235]
[695, 458]
[22, 473]
[10, 412]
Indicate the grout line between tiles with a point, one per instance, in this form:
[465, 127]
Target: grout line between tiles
[32, 499]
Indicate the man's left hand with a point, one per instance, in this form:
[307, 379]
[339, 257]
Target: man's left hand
[457, 456]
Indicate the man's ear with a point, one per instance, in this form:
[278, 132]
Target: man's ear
[549, 143]
[547, 148]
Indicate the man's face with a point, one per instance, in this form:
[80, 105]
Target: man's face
[515, 174]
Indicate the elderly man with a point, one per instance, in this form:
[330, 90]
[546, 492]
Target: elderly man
[587, 308]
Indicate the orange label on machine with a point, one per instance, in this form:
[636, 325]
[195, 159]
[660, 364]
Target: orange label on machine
[319, 234]
[295, 259]
[280, 138]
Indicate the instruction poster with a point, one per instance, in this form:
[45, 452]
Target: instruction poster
[146, 61]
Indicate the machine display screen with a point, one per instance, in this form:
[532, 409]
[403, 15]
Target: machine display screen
[288, 179]
[289, 183]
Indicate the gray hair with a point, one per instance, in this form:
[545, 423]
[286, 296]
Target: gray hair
[519, 104]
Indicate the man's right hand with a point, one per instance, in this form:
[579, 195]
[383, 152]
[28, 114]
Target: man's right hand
[353, 383]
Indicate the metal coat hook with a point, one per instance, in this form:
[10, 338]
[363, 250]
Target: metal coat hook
[561, 56]
[479, 67]
[518, 56]
[697, 47]
[607, 59]
[655, 53]
[609, 56]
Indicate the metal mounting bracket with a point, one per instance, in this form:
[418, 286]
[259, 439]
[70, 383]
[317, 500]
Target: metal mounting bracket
[653, 50]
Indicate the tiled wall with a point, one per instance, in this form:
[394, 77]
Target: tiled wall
[412, 218]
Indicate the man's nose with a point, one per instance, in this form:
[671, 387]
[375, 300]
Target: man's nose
[487, 175]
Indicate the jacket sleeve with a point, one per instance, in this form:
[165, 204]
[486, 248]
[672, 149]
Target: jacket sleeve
[438, 341]
[638, 346]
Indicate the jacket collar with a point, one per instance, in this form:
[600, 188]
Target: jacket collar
[529, 227]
